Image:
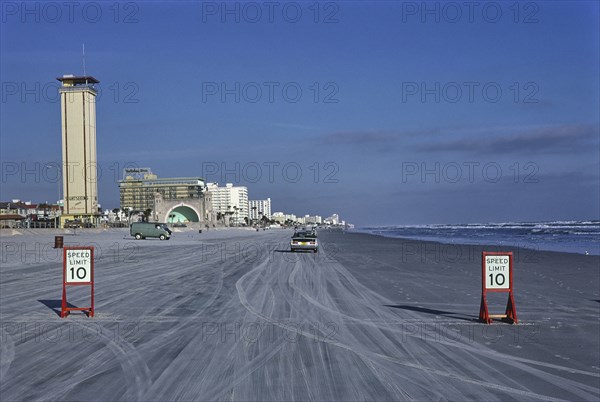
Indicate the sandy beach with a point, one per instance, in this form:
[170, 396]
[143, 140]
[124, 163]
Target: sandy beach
[233, 315]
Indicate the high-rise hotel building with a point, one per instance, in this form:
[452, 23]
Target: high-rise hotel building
[259, 208]
[231, 200]
[78, 122]
[139, 187]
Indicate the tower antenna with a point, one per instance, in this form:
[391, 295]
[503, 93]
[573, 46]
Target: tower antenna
[83, 58]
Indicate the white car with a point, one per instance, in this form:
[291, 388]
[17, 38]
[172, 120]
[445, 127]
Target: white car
[304, 241]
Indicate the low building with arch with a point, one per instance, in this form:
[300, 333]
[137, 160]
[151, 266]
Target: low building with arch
[191, 210]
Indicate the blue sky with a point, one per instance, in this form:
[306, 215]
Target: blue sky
[383, 112]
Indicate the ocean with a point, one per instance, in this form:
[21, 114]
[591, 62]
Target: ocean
[579, 237]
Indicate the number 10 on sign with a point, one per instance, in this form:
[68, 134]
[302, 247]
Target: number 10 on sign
[78, 270]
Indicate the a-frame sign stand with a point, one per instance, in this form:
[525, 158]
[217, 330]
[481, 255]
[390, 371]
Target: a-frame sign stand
[497, 276]
[78, 270]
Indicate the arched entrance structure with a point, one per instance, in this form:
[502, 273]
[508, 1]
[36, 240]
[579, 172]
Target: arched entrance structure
[182, 214]
[182, 210]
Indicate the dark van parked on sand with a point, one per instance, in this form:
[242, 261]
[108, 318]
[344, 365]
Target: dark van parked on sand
[141, 230]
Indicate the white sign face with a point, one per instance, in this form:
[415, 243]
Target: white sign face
[79, 266]
[497, 272]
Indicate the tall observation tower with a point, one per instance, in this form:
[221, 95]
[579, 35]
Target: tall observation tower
[78, 112]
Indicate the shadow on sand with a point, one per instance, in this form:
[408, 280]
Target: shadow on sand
[294, 252]
[450, 314]
[54, 305]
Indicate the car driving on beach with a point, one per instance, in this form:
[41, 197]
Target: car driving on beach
[304, 240]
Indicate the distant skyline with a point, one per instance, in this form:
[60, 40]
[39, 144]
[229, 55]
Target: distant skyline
[383, 112]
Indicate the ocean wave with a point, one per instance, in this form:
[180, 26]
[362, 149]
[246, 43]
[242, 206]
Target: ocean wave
[573, 236]
[504, 225]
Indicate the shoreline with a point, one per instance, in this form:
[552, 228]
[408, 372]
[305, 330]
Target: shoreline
[465, 242]
[437, 251]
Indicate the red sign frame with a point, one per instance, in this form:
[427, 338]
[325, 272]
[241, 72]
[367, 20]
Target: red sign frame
[511, 308]
[65, 310]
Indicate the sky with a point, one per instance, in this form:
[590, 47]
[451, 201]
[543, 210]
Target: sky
[382, 112]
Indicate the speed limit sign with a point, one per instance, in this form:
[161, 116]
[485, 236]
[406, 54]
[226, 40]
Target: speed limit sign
[78, 270]
[497, 276]
[79, 265]
[497, 271]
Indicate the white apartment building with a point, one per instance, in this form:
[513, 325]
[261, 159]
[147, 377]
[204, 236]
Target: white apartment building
[333, 220]
[315, 219]
[231, 200]
[278, 217]
[259, 208]
[282, 217]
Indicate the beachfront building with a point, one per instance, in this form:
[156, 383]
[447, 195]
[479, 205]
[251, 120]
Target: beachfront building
[78, 122]
[230, 202]
[17, 207]
[171, 200]
[281, 217]
[115, 215]
[334, 219]
[259, 208]
[278, 217]
[17, 213]
[312, 219]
